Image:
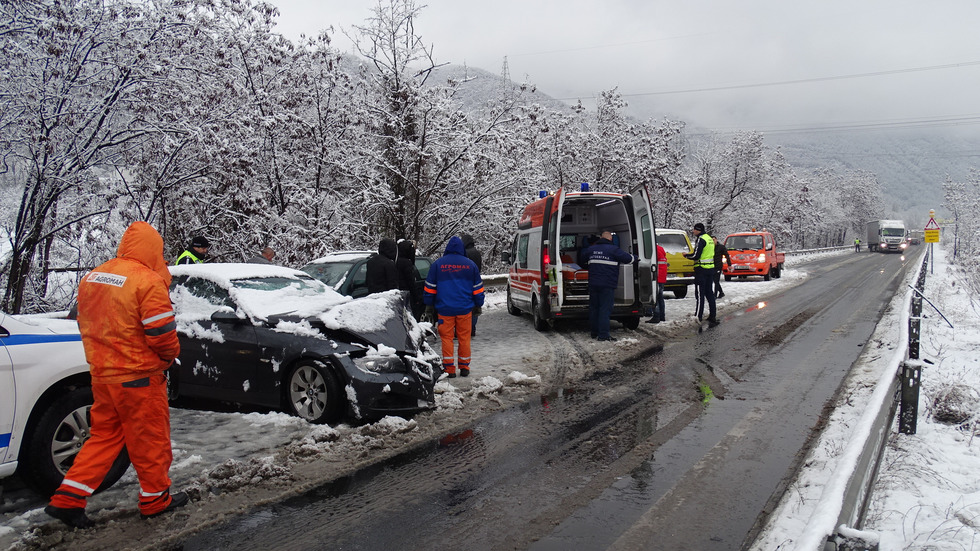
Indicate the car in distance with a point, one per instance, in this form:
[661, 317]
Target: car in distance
[346, 272]
[754, 253]
[45, 398]
[680, 270]
[269, 336]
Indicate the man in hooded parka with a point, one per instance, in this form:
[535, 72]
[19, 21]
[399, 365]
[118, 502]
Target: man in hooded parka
[130, 338]
[454, 291]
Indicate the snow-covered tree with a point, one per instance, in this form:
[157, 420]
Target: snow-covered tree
[962, 200]
[71, 72]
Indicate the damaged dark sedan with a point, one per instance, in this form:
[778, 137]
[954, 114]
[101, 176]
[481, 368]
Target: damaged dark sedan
[275, 337]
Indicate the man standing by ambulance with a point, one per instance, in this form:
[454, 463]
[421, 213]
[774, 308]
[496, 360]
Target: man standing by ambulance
[454, 292]
[602, 259]
[130, 338]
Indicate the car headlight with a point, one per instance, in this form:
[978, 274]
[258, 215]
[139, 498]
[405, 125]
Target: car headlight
[380, 364]
[762, 258]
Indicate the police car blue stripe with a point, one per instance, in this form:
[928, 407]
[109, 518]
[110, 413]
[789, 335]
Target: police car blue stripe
[14, 340]
[5, 440]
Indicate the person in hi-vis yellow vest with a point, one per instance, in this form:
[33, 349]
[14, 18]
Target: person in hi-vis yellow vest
[704, 272]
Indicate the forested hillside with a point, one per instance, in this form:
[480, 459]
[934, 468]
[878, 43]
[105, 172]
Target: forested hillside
[911, 164]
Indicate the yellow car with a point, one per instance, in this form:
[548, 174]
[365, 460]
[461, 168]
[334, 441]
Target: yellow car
[680, 270]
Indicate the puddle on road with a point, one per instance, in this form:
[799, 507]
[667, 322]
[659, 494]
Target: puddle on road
[556, 398]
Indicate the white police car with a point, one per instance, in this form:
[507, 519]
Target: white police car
[45, 397]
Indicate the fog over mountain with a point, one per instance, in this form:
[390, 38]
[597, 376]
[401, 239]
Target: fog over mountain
[912, 163]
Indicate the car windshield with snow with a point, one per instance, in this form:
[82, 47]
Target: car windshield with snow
[275, 337]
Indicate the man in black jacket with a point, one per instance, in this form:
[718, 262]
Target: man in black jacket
[721, 252]
[381, 275]
[409, 278]
[474, 254]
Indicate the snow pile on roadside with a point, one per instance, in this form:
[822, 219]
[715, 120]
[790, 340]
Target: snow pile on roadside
[518, 378]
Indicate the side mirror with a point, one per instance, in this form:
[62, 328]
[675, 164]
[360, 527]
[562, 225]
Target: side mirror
[505, 256]
[226, 316]
[359, 291]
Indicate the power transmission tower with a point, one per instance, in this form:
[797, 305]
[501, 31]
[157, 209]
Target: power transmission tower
[505, 79]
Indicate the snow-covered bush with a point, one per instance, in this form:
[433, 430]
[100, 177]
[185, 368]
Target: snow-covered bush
[954, 403]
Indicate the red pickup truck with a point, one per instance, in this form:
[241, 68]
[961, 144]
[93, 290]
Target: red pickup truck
[753, 254]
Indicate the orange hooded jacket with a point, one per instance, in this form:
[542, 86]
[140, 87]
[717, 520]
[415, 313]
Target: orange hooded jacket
[124, 311]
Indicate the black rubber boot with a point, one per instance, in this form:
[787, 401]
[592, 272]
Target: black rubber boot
[177, 501]
[74, 517]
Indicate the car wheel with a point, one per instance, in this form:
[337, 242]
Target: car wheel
[512, 309]
[728, 278]
[314, 394]
[540, 323]
[768, 275]
[51, 447]
[631, 322]
[680, 292]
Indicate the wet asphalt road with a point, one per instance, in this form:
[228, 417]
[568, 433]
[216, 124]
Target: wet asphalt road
[634, 457]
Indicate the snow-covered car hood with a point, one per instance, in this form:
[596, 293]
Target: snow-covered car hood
[292, 301]
[380, 318]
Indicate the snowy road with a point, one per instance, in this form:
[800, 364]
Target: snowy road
[554, 436]
[628, 457]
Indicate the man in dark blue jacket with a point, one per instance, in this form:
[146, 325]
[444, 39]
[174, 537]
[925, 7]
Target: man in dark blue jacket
[454, 291]
[603, 260]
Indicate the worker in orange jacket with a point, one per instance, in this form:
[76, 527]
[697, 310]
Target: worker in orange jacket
[130, 338]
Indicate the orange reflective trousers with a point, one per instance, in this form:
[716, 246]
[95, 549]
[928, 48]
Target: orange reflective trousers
[461, 328]
[135, 414]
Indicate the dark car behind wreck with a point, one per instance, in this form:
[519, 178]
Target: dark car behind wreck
[275, 337]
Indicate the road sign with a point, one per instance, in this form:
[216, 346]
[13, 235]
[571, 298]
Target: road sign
[932, 231]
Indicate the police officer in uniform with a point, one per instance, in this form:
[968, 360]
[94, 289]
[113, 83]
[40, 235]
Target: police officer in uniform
[196, 252]
[704, 272]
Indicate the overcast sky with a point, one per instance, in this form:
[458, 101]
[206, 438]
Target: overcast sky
[720, 64]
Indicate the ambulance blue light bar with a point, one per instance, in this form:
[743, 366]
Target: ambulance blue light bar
[585, 186]
[542, 194]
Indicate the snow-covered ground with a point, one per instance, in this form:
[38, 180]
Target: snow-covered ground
[928, 490]
[219, 454]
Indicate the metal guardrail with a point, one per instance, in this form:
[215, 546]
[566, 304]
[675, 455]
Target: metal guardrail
[804, 252]
[839, 514]
[495, 280]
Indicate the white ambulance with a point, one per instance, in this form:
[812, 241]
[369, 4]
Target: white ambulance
[545, 278]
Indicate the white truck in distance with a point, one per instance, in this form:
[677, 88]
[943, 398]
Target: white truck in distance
[886, 236]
